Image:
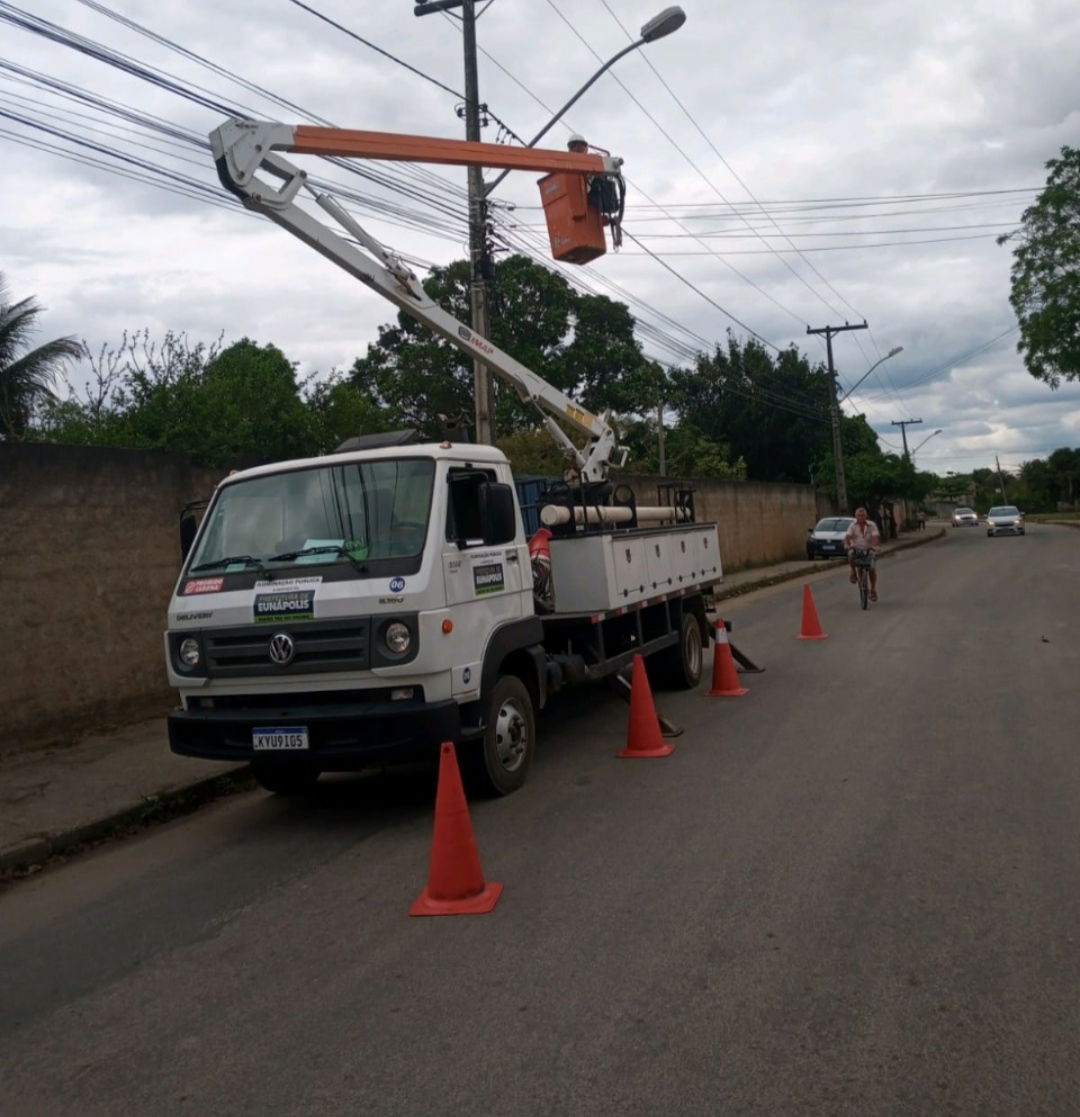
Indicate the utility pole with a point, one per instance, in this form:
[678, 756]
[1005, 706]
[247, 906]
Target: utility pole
[834, 413]
[479, 257]
[1001, 479]
[660, 430]
[903, 424]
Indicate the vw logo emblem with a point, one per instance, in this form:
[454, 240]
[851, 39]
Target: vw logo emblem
[282, 649]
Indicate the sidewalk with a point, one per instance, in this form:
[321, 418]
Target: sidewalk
[56, 800]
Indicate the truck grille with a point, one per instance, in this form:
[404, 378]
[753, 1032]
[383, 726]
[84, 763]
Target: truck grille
[319, 646]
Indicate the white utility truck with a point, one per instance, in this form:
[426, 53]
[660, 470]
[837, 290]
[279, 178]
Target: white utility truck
[367, 605]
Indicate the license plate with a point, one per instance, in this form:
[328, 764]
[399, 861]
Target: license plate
[281, 738]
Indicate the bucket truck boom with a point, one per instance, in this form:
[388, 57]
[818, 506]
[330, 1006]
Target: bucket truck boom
[250, 167]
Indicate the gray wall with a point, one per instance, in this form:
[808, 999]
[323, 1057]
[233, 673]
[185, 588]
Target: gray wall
[759, 522]
[89, 554]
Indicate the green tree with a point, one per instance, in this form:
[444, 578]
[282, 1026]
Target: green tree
[338, 410]
[770, 412]
[27, 375]
[218, 404]
[1064, 467]
[582, 344]
[125, 401]
[533, 451]
[1046, 274]
[1037, 488]
[874, 478]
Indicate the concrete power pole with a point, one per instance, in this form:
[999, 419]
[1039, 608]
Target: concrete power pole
[1001, 479]
[479, 257]
[903, 424]
[834, 413]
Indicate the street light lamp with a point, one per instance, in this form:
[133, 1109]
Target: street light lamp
[924, 442]
[891, 353]
[667, 21]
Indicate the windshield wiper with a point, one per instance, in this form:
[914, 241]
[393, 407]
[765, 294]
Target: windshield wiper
[338, 549]
[247, 560]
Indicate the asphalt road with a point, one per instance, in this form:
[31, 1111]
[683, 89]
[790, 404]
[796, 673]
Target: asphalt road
[853, 891]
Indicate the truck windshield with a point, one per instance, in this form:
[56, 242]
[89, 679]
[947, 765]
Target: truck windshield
[355, 512]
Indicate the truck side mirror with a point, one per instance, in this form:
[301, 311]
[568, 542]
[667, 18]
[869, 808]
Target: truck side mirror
[189, 524]
[189, 527]
[498, 513]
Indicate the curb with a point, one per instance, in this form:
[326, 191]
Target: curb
[816, 568]
[153, 810]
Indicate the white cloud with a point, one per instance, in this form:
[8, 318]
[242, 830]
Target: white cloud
[834, 100]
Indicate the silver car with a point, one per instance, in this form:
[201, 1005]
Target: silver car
[826, 540]
[1006, 519]
[964, 517]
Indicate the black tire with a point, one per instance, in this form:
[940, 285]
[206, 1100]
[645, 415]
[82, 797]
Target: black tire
[864, 589]
[681, 666]
[286, 778]
[498, 762]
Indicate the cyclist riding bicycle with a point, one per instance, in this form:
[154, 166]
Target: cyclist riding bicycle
[863, 536]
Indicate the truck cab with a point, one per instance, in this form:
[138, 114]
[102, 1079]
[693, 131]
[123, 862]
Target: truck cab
[340, 610]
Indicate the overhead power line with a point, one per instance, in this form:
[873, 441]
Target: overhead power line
[733, 174]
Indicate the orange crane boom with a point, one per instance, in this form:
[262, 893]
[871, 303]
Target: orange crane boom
[353, 143]
[575, 221]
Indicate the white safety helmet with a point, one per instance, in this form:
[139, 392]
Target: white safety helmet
[576, 139]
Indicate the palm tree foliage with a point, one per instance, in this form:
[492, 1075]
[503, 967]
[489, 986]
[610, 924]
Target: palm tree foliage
[26, 375]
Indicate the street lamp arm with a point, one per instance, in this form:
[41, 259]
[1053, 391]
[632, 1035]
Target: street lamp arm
[573, 100]
[891, 353]
[924, 442]
[558, 116]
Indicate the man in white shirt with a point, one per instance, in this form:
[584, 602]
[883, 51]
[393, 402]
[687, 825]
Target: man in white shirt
[863, 535]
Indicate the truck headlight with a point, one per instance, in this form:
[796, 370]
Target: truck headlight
[190, 653]
[397, 638]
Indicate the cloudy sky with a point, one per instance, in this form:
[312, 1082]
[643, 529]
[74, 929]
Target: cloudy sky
[790, 163]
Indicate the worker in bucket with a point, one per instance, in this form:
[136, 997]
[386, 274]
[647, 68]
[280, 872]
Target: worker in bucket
[577, 144]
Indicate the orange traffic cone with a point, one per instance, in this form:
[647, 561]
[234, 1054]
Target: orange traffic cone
[725, 676]
[455, 880]
[643, 737]
[811, 626]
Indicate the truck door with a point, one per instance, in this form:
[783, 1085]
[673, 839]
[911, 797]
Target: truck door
[485, 586]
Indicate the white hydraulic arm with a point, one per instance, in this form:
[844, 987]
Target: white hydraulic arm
[243, 148]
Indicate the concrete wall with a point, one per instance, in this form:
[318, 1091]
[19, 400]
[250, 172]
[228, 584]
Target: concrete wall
[759, 522]
[89, 553]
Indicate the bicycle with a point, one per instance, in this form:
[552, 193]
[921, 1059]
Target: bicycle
[864, 560]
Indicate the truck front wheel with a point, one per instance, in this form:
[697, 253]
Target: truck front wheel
[498, 763]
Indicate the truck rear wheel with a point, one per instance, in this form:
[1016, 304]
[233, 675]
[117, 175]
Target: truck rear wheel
[680, 666]
[498, 763]
[285, 779]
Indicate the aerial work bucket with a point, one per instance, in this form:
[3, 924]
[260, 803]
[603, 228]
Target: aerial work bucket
[576, 228]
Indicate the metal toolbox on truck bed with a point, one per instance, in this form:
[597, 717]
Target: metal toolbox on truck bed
[596, 572]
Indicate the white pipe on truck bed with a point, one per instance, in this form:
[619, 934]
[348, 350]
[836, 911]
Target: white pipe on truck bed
[551, 515]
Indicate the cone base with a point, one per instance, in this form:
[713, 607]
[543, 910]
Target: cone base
[819, 636]
[735, 692]
[479, 904]
[660, 750]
